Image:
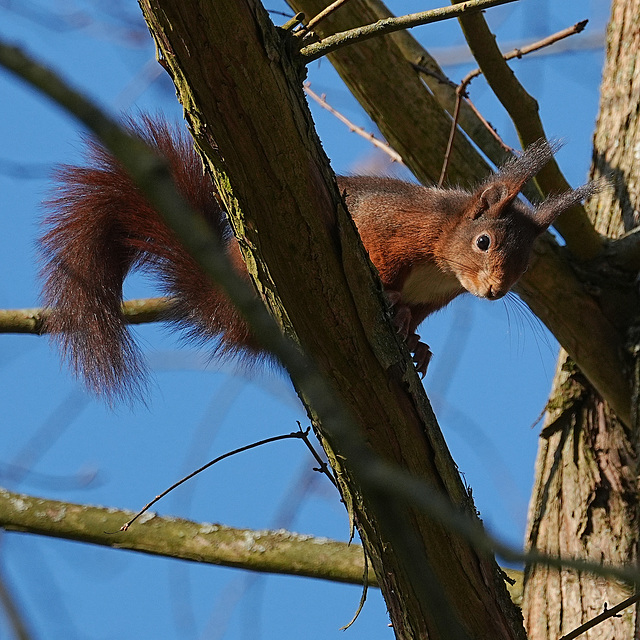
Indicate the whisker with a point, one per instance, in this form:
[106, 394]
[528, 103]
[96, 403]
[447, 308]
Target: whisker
[537, 327]
[506, 309]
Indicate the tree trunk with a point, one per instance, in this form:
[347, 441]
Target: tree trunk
[584, 502]
[584, 505]
[243, 100]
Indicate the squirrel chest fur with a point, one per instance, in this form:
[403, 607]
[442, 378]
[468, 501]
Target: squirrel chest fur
[428, 244]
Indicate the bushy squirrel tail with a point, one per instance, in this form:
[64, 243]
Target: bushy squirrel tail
[99, 227]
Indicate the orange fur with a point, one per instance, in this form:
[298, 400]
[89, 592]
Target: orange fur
[100, 227]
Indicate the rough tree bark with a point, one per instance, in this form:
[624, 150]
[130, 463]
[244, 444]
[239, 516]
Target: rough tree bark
[585, 502]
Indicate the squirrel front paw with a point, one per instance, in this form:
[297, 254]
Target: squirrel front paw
[402, 318]
[401, 312]
[421, 356]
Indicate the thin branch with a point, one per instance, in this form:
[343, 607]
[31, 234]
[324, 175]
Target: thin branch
[381, 144]
[264, 551]
[325, 13]
[137, 311]
[461, 90]
[22, 320]
[432, 73]
[605, 615]
[323, 467]
[462, 98]
[365, 589]
[389, 25]
[578, 27]
[444, 91]
[452, 134]
[505, 147]
[287, 436]
[292, 23]
[442, 79]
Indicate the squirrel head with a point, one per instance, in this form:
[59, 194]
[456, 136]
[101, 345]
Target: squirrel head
[489, 248]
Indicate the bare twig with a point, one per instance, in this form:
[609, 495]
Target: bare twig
[482, 120]
[461, 95]
[323, 467]
[452, 134]
[292, 23]
[540, 417]
[605, 615]
[325, 13]
[389, 25]
[578, 27]
[321, 100]
[294, 434]
[489, 128]
[434, 74]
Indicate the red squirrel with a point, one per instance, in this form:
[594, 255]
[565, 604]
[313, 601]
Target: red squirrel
[428, 244]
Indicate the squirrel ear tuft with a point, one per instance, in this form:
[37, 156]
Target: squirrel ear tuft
[547, 212]
[521, 169]
[500, 189]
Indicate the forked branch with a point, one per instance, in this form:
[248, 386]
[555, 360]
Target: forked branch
[287, 436]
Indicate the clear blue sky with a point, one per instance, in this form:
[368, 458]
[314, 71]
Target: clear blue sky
[488, 381]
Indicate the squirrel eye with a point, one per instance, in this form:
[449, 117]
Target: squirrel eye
[483, 242]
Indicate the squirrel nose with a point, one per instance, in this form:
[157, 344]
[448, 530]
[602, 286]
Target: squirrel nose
[495, 294]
